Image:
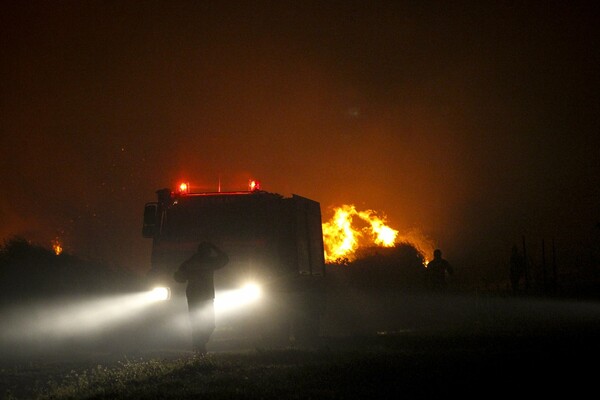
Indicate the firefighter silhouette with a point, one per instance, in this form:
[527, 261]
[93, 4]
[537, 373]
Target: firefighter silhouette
[198, 271]
[437, 270]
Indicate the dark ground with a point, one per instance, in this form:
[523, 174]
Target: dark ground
[360, 367]
[447, 345]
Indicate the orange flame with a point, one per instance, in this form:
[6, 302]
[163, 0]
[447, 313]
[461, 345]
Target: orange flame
[341, 237]
[57, 247]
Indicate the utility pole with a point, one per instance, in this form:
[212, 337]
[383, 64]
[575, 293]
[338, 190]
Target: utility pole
[544, 274]
[525, 265]
[554, 276]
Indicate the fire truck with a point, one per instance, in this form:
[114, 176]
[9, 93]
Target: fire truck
[274, 244]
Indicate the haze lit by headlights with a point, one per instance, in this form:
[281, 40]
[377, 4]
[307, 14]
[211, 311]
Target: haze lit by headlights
[72, 318]
[233, 299]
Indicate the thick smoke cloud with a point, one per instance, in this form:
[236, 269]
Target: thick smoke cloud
[474, 124]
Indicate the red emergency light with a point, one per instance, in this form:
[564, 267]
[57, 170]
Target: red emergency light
[253, 185]
[183, 188]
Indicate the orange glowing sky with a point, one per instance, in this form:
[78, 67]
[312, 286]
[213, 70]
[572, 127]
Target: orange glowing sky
[473, 123]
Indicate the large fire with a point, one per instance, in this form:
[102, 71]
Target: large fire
[342, 235]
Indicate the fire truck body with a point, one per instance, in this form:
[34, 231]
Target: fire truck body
[271, 240]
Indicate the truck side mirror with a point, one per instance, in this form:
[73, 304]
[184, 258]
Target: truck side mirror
[150, 220]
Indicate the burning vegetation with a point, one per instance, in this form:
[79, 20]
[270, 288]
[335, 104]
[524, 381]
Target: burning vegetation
[57, 246]
[350, 230]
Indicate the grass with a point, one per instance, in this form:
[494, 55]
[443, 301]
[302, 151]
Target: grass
[376, 367]
[265, 374]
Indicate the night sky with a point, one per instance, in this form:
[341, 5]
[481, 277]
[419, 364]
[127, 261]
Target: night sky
[474, 122]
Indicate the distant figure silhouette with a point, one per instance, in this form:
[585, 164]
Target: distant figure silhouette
[517, 269]
[437, 270]
[198, 271]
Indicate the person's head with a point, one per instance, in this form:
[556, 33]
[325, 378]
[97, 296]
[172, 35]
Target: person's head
[437, 254]
[204, 248]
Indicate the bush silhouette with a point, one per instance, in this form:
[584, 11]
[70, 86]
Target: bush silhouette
[399, 267]
[29, 271]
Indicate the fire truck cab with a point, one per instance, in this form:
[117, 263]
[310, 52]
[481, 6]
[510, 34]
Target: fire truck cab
[272, 241]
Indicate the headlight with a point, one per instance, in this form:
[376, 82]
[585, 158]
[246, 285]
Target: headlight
[160, 293]
[238, 298]
[251, 291]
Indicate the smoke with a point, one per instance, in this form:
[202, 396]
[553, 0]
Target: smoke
[421, 242]
[420, 117]
[62, 320]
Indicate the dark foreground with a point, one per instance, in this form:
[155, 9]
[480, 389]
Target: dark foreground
[385, 345]
[393, 365]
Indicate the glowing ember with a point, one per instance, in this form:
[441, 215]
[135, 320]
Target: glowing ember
[57, 247]
[341, 237]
